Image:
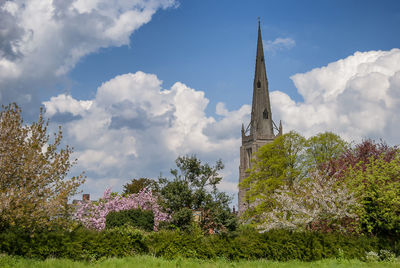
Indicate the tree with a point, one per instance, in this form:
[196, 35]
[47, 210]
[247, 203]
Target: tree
[359, 156]
[136, 185]
[93, 214]
[33, 187]
[323, 147]
[194, 187]
[372, 171]
[286, 161]
[376, 185]
[276, 164]
[336, 187]
[318, 203]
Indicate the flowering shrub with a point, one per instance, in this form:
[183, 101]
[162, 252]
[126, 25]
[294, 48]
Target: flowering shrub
[93, 215]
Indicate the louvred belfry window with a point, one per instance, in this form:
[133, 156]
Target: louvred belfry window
[265, 114]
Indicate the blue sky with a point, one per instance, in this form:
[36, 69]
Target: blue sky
[210, 45]
[135, 83]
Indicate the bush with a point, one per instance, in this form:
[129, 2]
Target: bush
[79, 244]
[377, 188]
[278, 245]
[142, 219]
[182, 219]
[119, 242]
[173, 244]
[44, 244]
[247, 243]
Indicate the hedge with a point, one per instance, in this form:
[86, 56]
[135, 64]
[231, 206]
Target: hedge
[279, 245]
[142, 219]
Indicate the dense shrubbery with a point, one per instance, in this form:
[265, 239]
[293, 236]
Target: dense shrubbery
[79, 244]
[142, 219]
[281, 245]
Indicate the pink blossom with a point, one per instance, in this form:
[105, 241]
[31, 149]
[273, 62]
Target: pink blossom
[93, 215]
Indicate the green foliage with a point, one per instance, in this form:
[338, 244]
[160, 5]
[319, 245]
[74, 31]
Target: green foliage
[278, 245]
[136, 185]
[142, 219]
[150, 261]
[363, 180]
[173, 244]
[323, 147]
[218, 215]
[43, 244]
[276, 164]
[176, 195]
[290, 159]
[79, 244]
[119, 242]
[182, 219]
[194, 187]
[246, 243]
[377, 187]
[188, 188]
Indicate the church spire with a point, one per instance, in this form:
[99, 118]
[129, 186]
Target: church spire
[261, 125]
[261, 117]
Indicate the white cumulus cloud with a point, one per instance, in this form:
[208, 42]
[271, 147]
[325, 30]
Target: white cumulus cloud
[66, 104]
[135, 128]
[356, 97]
[41, 40]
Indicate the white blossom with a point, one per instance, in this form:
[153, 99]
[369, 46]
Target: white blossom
[309, 201]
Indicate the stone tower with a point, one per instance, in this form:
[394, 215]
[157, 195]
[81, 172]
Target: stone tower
[261, 128]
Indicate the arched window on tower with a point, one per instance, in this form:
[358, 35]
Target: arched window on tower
[258, 84]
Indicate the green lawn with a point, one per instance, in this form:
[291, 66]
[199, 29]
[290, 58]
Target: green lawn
[148, 261]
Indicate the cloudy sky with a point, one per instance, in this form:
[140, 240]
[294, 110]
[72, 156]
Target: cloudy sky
[136, 83]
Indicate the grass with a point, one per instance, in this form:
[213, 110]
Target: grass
[148, 261]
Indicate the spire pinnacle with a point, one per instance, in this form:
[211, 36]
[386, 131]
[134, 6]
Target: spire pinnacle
[261, 119]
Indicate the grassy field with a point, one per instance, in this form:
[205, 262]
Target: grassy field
[148, 261]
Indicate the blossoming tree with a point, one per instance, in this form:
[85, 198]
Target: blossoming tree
[318, 203]
[93, 215]
[34, 187]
